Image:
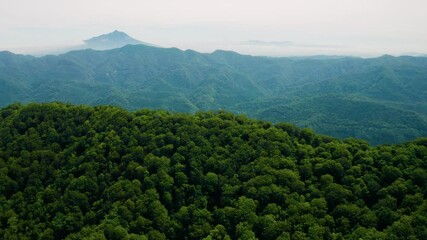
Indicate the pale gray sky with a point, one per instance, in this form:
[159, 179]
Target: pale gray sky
[267, 27]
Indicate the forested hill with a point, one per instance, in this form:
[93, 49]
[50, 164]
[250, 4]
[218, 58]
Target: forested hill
[79, 172]
[382, 100]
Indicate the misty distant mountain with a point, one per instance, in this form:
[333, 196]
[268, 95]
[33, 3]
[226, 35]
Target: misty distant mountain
[108, 41]
[383, 100]
[112, 40]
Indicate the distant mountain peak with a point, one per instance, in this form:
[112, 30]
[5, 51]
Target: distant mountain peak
[112, 36]
[115, 39]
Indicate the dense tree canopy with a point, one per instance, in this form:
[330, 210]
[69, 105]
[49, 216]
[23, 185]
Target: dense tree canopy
[79, 172]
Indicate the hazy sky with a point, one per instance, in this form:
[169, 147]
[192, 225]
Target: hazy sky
[265, 27]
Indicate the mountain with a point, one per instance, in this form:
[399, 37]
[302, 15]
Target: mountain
[112, 40]
[382, 100]
[115, 39]
[80, 172]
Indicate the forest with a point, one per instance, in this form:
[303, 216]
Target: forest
[82, 172]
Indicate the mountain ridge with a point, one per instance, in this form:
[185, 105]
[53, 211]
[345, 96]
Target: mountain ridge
[136, 76]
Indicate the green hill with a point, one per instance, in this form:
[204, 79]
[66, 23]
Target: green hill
[79, 172]
[353, 95]
[342, 116]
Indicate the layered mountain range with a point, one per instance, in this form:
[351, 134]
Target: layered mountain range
[382, 100]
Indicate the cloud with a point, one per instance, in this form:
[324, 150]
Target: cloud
[268, 43]
[260, 43]
[327, 27]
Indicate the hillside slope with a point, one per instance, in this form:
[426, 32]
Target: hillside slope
[79, 172]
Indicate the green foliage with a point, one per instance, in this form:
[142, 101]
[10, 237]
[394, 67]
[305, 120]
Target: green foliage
[78, 172]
